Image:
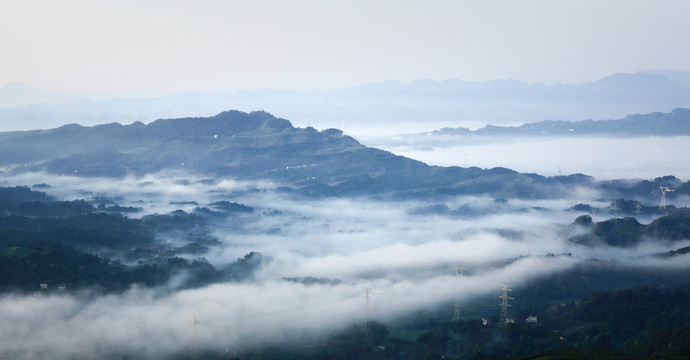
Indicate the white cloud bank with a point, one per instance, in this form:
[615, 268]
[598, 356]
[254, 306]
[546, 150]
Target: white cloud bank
[407, 259]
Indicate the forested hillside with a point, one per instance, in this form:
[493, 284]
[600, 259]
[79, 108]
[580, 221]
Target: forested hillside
[259, 146]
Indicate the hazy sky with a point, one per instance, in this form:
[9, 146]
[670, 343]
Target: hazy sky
[175, 45]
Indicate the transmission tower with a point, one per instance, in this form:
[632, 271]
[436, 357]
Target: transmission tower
[194, 321]
[423, 316]
[638, 210]
[456, 312]
[367, 308]
[664, 190]
[615, 208]
[565, 240]
[459, 271]
[566, 231]
[366, 330]
[503, 321]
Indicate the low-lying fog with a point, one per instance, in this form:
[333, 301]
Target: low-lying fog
[603, 158]
[405, 254]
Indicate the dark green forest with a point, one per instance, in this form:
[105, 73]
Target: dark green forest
[44, 241]
[596, 310]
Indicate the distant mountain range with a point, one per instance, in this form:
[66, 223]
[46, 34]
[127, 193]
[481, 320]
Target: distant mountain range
[387, 108]
[675, 123]
[258, 145]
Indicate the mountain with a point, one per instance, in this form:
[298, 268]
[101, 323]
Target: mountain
[632, 86]
[386, 108]
[681, 78]
[674, 123]
[260, 146]
[20, 94]
[255, 145]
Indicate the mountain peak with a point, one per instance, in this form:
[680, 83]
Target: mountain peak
[18, 86]
[633, 80]
[20, 94]
[230, 122]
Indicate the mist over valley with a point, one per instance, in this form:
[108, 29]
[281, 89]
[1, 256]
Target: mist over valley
[236, 232]
[387, 180]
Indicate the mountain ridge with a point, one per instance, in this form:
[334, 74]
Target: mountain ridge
[252, 146]
[259, 146]
[676, 122]
[389, 104]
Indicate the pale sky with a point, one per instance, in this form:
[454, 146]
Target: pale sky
[176, 45]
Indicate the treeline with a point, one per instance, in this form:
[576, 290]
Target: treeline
[56, 243]
[22, 201]
[27, 261]
[626, 232]
[635, 323]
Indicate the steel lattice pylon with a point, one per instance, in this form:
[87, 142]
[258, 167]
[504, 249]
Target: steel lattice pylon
[503, 321]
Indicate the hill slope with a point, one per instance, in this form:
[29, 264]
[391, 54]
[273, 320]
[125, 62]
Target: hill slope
[250, 146]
